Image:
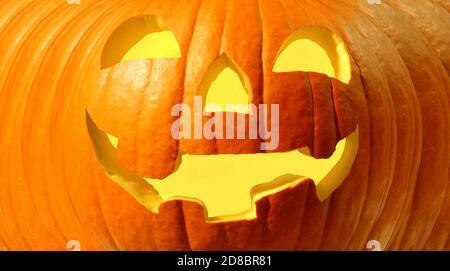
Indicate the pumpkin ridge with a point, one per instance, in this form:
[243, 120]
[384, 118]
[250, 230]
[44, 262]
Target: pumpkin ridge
[7, 97]
[60, 122]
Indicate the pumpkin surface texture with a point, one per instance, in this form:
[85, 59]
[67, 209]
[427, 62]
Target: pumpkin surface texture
[340, 129]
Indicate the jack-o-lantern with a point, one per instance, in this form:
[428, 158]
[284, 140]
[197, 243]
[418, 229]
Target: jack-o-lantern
[116, 129]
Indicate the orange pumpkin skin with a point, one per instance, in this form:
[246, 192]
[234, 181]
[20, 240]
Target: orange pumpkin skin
[53, 189]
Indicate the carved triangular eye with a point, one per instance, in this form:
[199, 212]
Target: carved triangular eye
[140, 38]
[314, 49]
[225, 88]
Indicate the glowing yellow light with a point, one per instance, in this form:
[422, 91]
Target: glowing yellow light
[225, 88]
[113, 140]
[293, 58]
[315, 49]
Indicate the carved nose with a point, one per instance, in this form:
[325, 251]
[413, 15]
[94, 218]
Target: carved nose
[225, 88]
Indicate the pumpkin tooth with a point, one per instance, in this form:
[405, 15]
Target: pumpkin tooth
[305, 151]
[226, 88]
[315, 49]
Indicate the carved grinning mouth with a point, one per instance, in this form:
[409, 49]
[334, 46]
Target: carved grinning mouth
[228, 185]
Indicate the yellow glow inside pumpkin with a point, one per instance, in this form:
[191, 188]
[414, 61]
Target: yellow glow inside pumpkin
[315, 49]
[225, 88]
[228, 185]
[140, 38]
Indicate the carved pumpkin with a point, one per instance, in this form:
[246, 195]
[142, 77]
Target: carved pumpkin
[86, 98]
